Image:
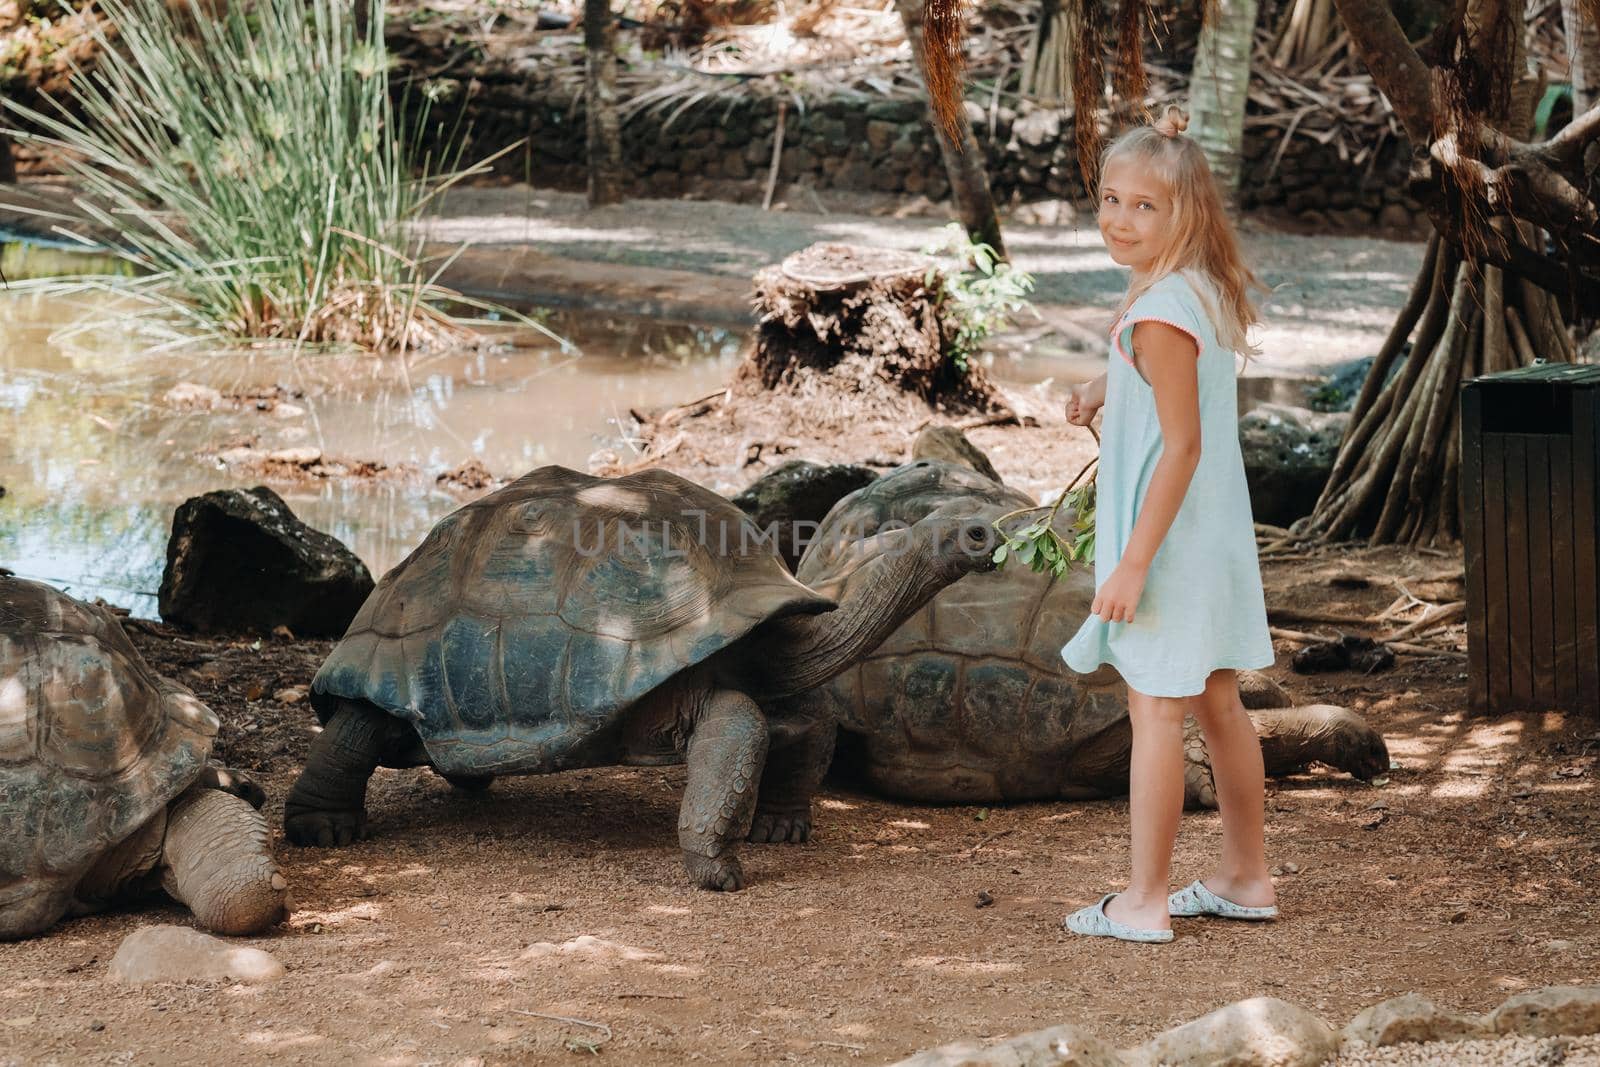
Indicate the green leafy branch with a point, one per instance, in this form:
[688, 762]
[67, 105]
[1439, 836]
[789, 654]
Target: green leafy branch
[1038, 544]
[981, 297]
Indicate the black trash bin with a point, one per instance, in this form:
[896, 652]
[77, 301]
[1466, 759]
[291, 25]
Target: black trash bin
[1529, 470]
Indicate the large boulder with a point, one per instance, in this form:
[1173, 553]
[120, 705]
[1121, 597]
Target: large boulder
[1260, 1032]
[239, 561]
[1412, 1018]
[1554, 1011]
[1059, 1046]
[1288, 454]
[179, 954]
[792, 499]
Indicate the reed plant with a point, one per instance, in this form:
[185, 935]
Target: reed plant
[248, 161]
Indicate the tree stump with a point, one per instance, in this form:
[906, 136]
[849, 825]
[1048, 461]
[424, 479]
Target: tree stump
[867, 325]
[851, 358]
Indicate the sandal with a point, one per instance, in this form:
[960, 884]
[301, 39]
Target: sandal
[1195, 899]
[1093, 921]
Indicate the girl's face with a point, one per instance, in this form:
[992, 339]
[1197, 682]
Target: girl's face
[1135, 214]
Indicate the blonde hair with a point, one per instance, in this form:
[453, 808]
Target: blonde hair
[1203, 239]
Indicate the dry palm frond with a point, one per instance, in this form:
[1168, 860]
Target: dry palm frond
[1132, 81]
[1088, 88]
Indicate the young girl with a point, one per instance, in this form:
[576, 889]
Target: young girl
[1178, 605]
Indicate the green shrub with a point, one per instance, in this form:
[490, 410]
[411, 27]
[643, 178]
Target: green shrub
[250, 166]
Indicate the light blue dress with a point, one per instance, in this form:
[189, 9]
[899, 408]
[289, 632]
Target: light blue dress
[1202, 608]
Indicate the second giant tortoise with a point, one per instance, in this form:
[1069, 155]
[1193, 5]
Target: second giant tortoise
[969, 700]
[105, 791]
[571, 621]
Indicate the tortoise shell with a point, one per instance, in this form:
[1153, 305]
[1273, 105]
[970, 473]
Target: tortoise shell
[969, 700]
[517, 636]
[92, 742]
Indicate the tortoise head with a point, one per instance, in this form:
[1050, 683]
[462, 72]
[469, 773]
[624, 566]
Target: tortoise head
[959, 539]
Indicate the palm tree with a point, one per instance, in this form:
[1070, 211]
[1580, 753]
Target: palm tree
[963, 159]
[1583, 51]
[604, 130]
[1218, 86]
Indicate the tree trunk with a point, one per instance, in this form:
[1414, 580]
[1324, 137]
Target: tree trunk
[963, 159]
[1217, 90]
[1583, 50]
[1047, 64]
[1396, 478]
[600, 85]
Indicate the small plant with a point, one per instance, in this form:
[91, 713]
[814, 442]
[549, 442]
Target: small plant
[981, 297]
[249, 164]
[1038, 544]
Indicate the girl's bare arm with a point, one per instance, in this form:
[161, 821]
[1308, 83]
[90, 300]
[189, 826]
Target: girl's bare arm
[1167, 358]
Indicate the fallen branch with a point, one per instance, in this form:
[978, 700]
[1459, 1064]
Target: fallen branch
[1398, 646]
[1437, 615]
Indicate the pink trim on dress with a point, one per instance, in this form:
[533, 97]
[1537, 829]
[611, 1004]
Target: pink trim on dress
[1116, 336]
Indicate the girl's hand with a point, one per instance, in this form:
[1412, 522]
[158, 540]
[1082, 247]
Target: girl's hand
[1119, 596]
[1084, 399]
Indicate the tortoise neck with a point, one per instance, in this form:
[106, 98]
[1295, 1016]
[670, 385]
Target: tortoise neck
[794, 654]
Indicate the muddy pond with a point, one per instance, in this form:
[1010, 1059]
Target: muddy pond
[102, 436]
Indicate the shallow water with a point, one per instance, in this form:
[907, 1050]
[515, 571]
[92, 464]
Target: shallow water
[94, 460]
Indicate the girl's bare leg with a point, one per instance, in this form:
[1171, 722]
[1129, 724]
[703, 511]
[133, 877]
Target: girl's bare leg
[1155, 802]
[1236, 768]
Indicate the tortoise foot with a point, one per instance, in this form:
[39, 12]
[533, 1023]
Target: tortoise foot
[325, 829]
[723, 874]
[781, 827]
[469, 783]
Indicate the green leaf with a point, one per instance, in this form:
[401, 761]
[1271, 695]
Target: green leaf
[1000, 553]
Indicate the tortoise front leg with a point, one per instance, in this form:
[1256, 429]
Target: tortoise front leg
[802, 737]
[327, 805]
[727, 747]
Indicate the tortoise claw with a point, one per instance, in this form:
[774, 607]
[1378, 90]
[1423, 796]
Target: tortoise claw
[778, 827]
[723, 874]
[325, 829]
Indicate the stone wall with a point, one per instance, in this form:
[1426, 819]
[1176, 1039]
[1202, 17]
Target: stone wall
[857, 141]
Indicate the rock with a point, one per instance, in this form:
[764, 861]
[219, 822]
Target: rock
[1340, 390]
[1038, 128]
[179, 954]
[880, 135]
[1257, 691]
[790, 501]
[191, 396]
[951, 445]
[1554, 1011]
[1288, 453]
[1395, 222]
[1412, 1018]
[1058, 1046]
[1260, 1032]
[239, 561]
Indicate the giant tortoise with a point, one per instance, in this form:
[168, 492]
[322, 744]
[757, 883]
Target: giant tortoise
[969, 701]
[105, 791]
[571, 621]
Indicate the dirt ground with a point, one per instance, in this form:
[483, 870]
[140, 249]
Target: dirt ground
[465, 922]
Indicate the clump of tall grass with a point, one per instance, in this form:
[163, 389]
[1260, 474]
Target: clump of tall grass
[249, 161]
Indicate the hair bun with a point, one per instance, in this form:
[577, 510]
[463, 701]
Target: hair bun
[1173, 122]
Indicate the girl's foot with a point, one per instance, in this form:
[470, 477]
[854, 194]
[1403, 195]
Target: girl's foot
[1250, 892]
[1196, 899]
[1140, 912]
